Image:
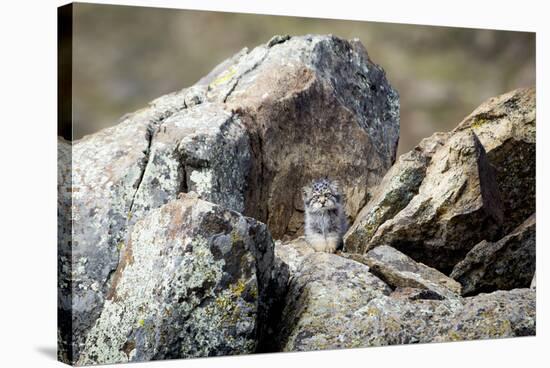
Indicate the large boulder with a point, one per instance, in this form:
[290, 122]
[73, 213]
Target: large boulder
[313, 106]
[506, 264]
[506, 127]
[192, 282]
[426, 204]
[457, 205]
[247, 136]
[396, 190]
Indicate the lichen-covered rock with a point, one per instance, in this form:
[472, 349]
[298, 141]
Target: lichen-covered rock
[313, 106]
[292, 253]
[396, 190]
[400, 211]
[192, 282]
[120, 173]
[457, 205]
[237, 139]
[392, 320]
[506, 127]
[65, 336]
[335, 303]
[506, 264]
[400, 271]
[322, 298]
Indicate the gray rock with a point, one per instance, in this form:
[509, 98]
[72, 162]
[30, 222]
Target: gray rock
[506, 127]
[236, 138]
[457, 206]
[192, 282]
[323, 296]
[396, 190]
[410, 211]
[506, 264]
[335, 303]
[401, 271]
[313, 106]
[292, 253]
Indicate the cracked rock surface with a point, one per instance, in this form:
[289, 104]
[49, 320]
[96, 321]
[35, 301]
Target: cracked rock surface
[457, 189]
[180, 228]
[202, 273]
[247, 136]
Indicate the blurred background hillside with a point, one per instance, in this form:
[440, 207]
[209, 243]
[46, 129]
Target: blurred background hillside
[123, 57]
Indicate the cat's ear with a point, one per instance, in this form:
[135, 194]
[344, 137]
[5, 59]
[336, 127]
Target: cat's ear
[335, 185]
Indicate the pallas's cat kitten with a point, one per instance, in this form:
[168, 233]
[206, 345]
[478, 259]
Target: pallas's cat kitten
[325, 220]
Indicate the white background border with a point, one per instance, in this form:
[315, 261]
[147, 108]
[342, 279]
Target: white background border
[28, 179]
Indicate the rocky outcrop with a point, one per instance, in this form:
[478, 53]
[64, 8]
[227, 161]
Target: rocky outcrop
[456, 189]
[335, 302]
[192, 282]
[396, 190]
[247, 136]
[506, 264]
[313, 106]
[506, 127]
[322, 298]
[457, 205]
[158, 259]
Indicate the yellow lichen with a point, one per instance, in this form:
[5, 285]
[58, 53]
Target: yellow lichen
[224, 77]
[238, 288]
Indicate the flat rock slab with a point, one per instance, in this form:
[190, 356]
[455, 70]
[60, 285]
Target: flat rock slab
[192, 282]
[401, 271]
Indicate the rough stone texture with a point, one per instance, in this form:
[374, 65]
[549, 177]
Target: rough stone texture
[64, 245]
[415, 210]
[237, 139]
[292, 253]
[506, 127]
[336, 303]
[120, 173]
[192, 282]
[322, 298]
[457, 205]
[396, 190]
[313, 106]
[400, 271]
[506, 264]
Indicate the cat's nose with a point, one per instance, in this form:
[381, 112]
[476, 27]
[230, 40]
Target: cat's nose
[322, 199]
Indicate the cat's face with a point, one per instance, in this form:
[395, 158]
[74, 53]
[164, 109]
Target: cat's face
[322, 195]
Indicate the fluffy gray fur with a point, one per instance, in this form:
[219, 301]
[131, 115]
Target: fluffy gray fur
[325, 219]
